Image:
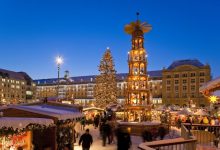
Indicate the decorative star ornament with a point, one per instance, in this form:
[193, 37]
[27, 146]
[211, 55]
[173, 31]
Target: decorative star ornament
[213, 99]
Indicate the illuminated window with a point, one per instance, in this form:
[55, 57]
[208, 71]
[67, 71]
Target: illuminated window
[176, 88]
[193, 80]
[193, 74]
[184, 75]
[176, 75]
[184, 81]
[193, 87]
[192, 95]
[202, 73]
[176, 81]
[168, 76]
[201, 80]
[177, 95]
[29, 93]
[184, 95]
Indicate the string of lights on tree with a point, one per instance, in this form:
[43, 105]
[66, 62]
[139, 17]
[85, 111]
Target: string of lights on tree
[105, 89]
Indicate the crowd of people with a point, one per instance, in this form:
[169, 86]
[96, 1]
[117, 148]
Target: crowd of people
[110, 133]
[197, 120]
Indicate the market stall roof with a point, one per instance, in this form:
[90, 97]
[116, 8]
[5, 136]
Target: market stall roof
[61, 113]
[21, 123]
[184, 111]
[210, 85]
[114, 107]
[93, 108]
[201, 112]
[161, 108]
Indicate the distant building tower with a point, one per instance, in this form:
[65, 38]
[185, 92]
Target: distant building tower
[137, 104]
[67, 74]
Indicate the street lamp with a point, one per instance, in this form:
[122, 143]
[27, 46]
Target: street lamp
[59, 61]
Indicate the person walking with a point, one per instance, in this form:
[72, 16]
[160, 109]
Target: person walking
[105, 132]
[77, 128]
[96, 121]
[86, 140]
[124, 139]
[83, 123]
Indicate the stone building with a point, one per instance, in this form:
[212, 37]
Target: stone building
[181, 82]
[80, 89]
[16, 87]
[178, 84]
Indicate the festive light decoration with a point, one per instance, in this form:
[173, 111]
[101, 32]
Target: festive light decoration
[105, 89]
[137, 105]
[213, 99]
[65, 132]
[65, 135]
[165, 117]
[10, 131]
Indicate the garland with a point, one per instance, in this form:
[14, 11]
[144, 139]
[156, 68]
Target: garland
[68, 121]
[65, 136]
[10, 131]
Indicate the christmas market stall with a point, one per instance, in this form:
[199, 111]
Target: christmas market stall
[64, 119]
[91, 112]
[18, 132]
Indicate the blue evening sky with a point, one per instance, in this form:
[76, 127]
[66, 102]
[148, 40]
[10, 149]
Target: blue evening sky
[34, 32]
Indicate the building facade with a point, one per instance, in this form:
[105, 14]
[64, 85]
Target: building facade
[178, 84]
[80, 89]
[181, 82]
[16, 87]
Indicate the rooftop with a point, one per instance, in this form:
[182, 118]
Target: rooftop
[192, 62]
[61, 113]
[12, 75]
[91, 78]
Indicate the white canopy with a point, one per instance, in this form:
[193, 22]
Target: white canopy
[161, 108]
[211, 84]
[93, 108]
[184, 111]
[201, 112]
[21, 123]
[217, 93]
[61, 113]
[149, 123]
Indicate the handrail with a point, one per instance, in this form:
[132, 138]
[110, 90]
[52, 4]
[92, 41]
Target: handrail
[207, 125]
[169, 142]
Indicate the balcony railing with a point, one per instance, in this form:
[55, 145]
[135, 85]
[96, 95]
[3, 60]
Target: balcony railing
[170, 144]
[207, 135]
[186, 142]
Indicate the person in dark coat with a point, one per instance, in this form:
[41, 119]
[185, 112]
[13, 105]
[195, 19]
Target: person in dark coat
[124, 140]
[86, 140]
[105, 132]
[96, 121]
[147, 136]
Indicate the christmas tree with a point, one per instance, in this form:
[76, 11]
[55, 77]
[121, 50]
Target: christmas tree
[106, 87]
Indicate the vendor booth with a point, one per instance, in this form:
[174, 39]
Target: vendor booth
[91, 112]
[63, 117]
[18, 132]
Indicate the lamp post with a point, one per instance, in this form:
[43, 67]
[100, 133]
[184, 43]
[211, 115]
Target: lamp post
[59, 61]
